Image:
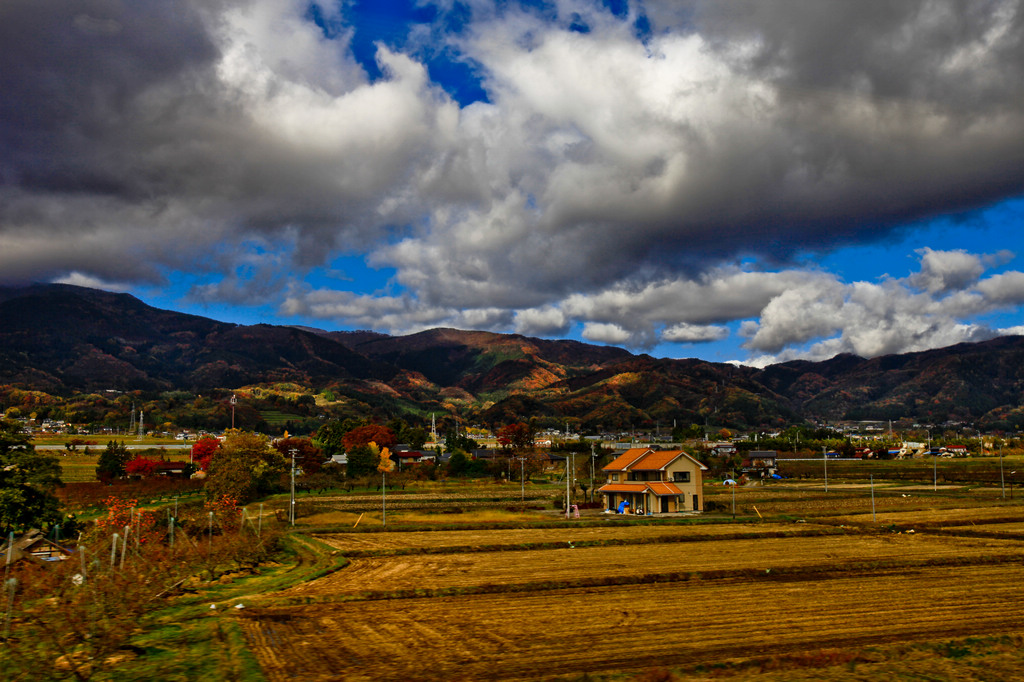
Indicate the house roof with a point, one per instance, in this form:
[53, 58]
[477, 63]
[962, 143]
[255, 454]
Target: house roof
[660, 459]
[664, 488]
[622, 462]
[656, 487]
[24, 546]
[656, 460]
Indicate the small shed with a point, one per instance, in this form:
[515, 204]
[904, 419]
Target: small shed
[34, 546]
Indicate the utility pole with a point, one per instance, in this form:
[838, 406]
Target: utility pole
[291, 506]
[824, 459]
[522, 479]
[567, 488]
[872, 479]
[592, 455]
[233, 401]
[1002, 480]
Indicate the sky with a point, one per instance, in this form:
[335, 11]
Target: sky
[750, 181]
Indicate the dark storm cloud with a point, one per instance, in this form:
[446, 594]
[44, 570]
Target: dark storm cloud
[71, 73]
[157, 132]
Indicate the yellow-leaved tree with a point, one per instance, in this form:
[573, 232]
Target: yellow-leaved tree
[384, 465]
[384, 462]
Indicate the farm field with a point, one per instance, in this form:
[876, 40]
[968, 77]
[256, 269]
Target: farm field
[810, 501]
[957, 514]
[693, 626]
[362, 542]
[825, 599]
[462, 571]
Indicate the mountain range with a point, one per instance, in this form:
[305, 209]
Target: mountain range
[65, 339]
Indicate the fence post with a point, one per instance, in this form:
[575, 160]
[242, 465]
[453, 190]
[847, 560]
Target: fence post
[10, 584]
[113, 549]
[124, 546]
[10, 554]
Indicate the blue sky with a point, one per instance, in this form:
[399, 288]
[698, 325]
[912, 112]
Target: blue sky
[743, 181]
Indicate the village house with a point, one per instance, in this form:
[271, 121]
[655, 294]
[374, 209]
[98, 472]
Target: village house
[648, 481]
[409, 457]
[722, 449]
[35, 546]
[760, 463]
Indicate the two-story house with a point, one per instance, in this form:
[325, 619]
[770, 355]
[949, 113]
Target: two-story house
[654, 481]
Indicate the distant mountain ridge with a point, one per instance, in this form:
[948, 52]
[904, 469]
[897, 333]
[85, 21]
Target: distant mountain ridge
[62, 338]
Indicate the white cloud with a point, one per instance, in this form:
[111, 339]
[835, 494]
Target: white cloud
[547, 321]
[79, 280]
[1003, 289]
[603, 332]
[943, 271]
[692, 333]
[869, 319]
[609, 181]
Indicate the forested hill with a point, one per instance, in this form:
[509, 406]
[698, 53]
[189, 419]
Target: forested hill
[63, 339]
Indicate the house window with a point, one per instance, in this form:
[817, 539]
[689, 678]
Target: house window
[681, 476]
[615, 478]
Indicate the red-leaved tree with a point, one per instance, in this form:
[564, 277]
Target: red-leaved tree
[202, 451]
[515, 436]
[141, 466]
[308, 457]
[364, 435]
[123, 512]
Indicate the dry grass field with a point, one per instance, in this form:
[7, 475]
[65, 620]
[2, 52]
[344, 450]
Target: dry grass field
[929, 592]
[464, 571]
[398, 541]
[546, 634]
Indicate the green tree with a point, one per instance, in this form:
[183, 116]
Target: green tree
[457, 441]
[245, 468]
[415, 437]
[27, 482]
[458, 464]
[329, 437]
[361, 461]
[112, 461]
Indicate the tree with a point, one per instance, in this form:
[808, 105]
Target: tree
[457, 441]
[112, 461]
[202, 451]
[372, 433]
[245, 468]
[141, 466]
[458, 464]
[416, 437]
[27, 482]
[516, 440]
[361, 461]
[308, 456]
[515, 436]
[329, 436]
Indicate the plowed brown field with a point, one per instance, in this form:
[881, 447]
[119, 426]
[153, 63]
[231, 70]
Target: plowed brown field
[516, 536]
[529, 566]
[569, 632]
